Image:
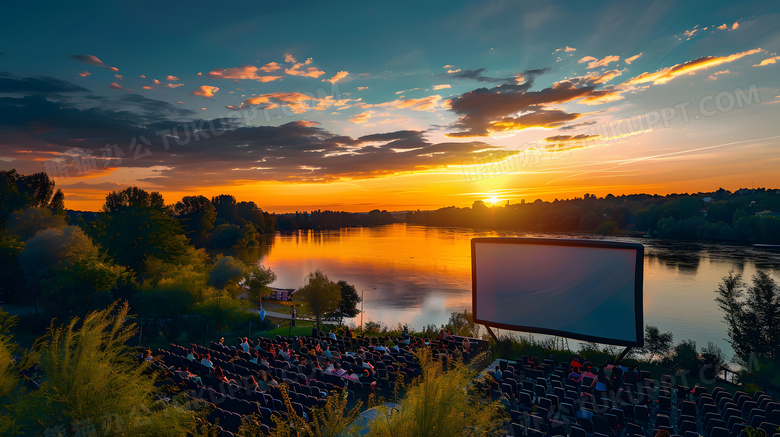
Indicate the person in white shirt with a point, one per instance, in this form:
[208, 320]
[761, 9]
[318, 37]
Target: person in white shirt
[332, 335]
[245, 345]
[206, 361]
[329, 368]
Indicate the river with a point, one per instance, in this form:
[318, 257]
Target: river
[419, 275]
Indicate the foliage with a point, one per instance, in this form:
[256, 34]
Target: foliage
[256, 280]
[18, 192]
[223, 311]
[439, 403]
[743, 216]
[752, 315]
[226, 271]
[657, 344]
[92, 376]
[65, 267]
[197, 216]
[462, 324]
[332, 420]
[28, 222]
[320, 294]
[348, 306]
[11, 277]
[135, 224]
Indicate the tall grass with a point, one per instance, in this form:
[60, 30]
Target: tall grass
[440, 403]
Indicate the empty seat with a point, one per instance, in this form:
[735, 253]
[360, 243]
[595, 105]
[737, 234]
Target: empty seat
[662, 420]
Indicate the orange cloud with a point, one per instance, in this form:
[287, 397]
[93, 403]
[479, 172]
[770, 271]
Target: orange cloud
[173, 85]
[205, 91]
[146, 87]
[156, 82]
[722, 27]
[269, 67]
[595, 63]
[172, 78]
[362, 117]
[247, 72]
[422, 104]
[361, 88]
[632, 59]
[115, 86]
[453, 71]
[295, 101]
[85, 74]
[566, 49]
[142, 76]
[767, 61]
[296, 69]
[735, 26]
[714, 76]
[587, 59]
[340, 75]
[664, 75]
[442, 86]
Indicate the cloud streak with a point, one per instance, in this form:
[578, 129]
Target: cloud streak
[92, 60]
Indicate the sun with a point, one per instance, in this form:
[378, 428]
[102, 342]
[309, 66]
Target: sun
[493, 200]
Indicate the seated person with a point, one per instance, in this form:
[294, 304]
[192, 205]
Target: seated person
[206, 361]
[220, 375]
[338, 371]
[497, 374]
[350, 375]
[332, 335]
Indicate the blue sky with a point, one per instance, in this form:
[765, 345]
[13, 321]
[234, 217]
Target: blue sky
[351, 105]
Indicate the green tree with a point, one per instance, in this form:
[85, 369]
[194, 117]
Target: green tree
[657, 344]
[65, 267]
[92, 375]
[752, 315]
[320, 294]
[256, 280]
[349, 301]
[12, 282]
[197, 216]
[135, 224]
[26, 223]
[227, 271]
[462, 324]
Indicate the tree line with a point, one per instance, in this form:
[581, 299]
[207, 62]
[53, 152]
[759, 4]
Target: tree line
[744, 216]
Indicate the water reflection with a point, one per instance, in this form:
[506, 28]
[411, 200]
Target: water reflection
[423, 274]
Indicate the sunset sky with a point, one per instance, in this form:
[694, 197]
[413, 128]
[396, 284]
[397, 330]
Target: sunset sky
[403, 105]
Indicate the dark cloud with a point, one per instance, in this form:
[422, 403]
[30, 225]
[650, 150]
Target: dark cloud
[477, 75]
[513, 107]
[185, 153]
[9, 84]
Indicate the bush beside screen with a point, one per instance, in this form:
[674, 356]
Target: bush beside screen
[580, 289]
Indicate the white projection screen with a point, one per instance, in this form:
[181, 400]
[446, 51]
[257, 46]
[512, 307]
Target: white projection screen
[581, 289]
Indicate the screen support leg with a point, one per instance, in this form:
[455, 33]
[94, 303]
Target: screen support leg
[622, 355]
[490, 331]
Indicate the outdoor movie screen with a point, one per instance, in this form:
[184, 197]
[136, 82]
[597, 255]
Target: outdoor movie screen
[582, 289]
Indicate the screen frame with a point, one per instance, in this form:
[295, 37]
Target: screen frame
[638, 286]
